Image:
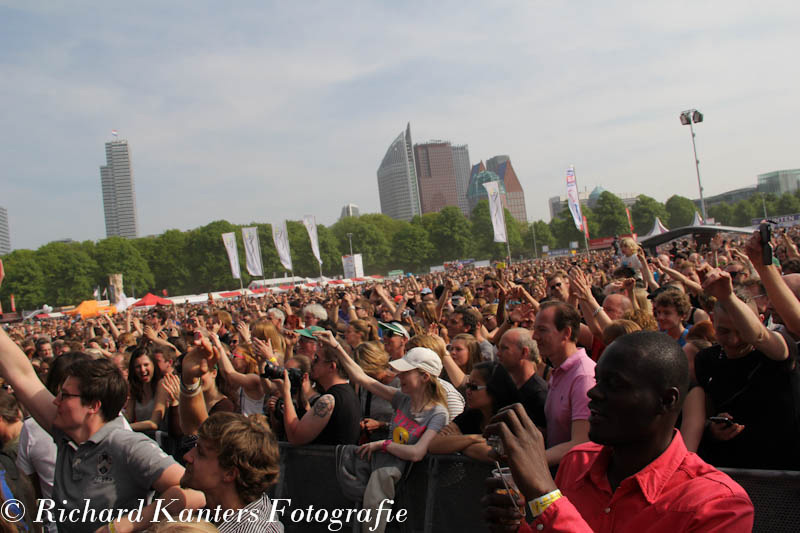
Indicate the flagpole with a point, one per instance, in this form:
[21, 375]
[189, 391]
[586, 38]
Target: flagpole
[585, 220]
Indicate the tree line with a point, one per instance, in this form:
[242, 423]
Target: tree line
[194, 262]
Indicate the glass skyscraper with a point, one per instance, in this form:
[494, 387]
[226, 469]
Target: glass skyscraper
[397, 179]
[119, 195]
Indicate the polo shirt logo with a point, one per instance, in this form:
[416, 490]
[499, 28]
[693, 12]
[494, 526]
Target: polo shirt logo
[104, 464]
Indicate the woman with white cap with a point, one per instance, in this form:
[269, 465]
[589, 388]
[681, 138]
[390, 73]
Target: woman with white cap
[420, 406]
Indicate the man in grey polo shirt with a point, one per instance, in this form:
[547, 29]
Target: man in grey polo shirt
[100, 466]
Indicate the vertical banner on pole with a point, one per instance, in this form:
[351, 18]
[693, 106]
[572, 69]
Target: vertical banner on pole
[252, 252]
[311, 227]
[630, 220]
[573, 199]
[229, 239]
[496, 211]
[585, 228]
[281, 238]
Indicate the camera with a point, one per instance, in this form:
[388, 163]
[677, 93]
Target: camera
[273, 371]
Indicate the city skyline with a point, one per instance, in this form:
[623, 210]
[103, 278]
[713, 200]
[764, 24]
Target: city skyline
[236, 115]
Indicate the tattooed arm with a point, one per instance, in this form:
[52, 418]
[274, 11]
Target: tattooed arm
[304, 430]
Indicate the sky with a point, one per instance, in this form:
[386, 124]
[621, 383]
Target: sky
[264, 111]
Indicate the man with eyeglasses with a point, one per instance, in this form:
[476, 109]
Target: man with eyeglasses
[101, 465]
[335, 416]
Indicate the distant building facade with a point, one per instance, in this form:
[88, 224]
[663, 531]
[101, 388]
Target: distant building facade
[5, 234]
[436, 174]
[515, 196]
[477, 192]
[462, 168]
[397, 179]
[779, 181]
[119, 195]
[349, 210]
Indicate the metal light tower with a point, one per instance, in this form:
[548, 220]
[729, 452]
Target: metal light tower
[689, 117]
[350, 238]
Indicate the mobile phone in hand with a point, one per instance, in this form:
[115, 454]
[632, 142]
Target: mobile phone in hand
[721, 420]
[766, 246]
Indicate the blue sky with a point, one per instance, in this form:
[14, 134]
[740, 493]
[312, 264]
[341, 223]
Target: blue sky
[262, 111]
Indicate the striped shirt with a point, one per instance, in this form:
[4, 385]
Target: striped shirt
[255, 519]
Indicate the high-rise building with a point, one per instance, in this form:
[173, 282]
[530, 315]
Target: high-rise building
[476, 191]
[119, 196]
[5, 236]
[349, 210]
[461, 165]
[397, 179]
[501, 165]
[436, 174]
[779, 181]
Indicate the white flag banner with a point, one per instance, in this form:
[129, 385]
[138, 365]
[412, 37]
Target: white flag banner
[281, 238]
[311, 227]
[233, 254]
[573, 200]
[496, 210]
[252, 252]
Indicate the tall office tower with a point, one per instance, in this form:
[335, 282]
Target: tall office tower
[349, 210]
[5, 238]
[461, 164]
[119, 196]
[437, 176]
[501, 165]
[397, 179]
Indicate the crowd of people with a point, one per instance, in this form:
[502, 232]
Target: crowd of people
[632, 375]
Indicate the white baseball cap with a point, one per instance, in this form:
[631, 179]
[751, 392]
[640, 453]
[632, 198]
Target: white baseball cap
[419, 358]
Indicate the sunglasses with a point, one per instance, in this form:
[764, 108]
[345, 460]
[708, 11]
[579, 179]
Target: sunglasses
[473, 387]
[555, 286]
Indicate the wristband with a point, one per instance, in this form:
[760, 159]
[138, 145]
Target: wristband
[541, 503]
[191, 390]
[597, 311]
[385, 445]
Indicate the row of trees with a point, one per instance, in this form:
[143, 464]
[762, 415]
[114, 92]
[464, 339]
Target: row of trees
[194, 262]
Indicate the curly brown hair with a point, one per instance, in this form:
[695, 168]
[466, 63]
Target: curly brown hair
[247, 445]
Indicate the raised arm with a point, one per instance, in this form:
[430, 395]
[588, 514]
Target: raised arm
[18, 372]
[355, 372]
[750, 329]
[783, 299]
[196, 363]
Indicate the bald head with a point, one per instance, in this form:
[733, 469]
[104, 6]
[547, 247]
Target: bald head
[793, 281]
[616, 305]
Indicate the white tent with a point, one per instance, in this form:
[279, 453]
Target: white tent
[698, 220]
[658, 229]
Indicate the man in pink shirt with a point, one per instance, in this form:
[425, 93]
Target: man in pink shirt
[567, 408]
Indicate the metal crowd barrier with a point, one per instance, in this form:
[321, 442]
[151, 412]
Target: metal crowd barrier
[442, 493]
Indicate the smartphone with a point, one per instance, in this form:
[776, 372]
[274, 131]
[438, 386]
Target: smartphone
[766, 247]
[721, 420]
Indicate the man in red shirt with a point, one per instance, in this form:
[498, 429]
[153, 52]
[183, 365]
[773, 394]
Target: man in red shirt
[636, 475]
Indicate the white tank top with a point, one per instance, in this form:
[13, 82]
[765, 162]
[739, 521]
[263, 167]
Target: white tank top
[248, 406]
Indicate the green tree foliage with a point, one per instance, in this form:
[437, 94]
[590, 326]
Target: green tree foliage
[544, 237]
[24, 279]
[69, 273]
[680, 211]
[412, 247]
[564, 230]
[483, 245]
[209, 268]
[721, 213]
[367, 241]
[644, 213]
[450, 235]
[119, 255]
[611, 217]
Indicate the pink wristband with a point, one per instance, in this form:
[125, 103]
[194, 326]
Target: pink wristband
[385, 445]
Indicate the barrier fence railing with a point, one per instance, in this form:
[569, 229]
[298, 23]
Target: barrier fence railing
[442, 493]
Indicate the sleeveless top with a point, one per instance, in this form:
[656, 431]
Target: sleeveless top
[143, 411]
[248, 406]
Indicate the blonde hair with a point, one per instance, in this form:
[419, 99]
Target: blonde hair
[618, 328]
[371, 357]
[264, 329]
[630, 243]
[434, 392]
[367, 330]
[246, 351]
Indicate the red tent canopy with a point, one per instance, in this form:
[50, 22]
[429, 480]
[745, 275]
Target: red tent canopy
[152, 299]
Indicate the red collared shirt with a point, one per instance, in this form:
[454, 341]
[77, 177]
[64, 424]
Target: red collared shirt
[676, 492]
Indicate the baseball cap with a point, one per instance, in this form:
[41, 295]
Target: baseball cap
[425, 290]
[395, 327]
[309, 332]
[419, 358]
